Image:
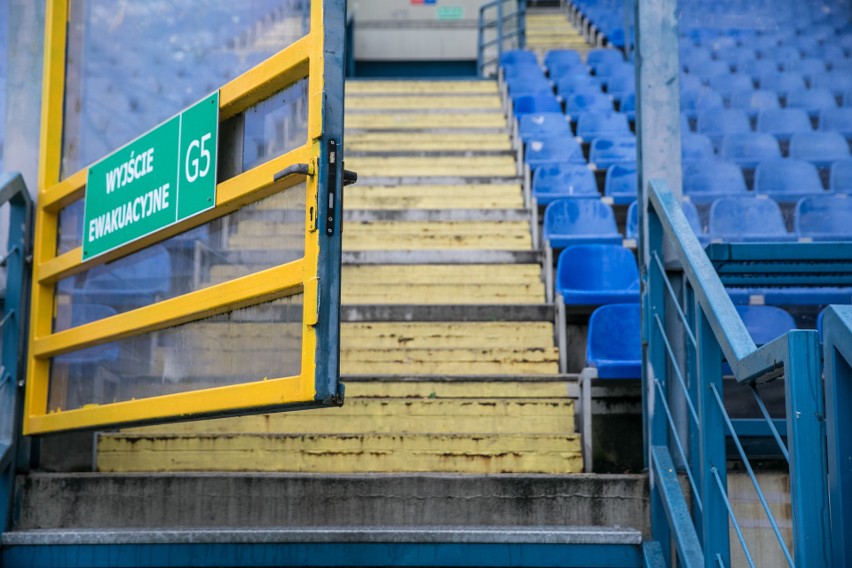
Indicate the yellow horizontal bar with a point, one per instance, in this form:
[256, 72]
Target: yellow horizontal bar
[231, 195]
[233, 398]
[65, 192]
[260, 82]
[263, 286]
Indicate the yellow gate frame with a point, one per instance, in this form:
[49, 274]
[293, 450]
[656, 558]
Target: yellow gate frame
[317, 56]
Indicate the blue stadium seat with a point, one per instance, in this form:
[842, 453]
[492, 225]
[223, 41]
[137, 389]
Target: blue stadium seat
[582, 103]
[718, 122]
[824, 218]
[525, 86]
[706, 70]
[543, 124]
[607, 71]
[754, 101]
[819, 148]
[783, 54]
[607, 151]
[747, 219]
[841, 176]
[837, 119]
[526, 71]
[595, 124]
[690, 83]
[562, 56]
[727, 85]
[598, 57]
[710, 179]
[594, 275]
[517, 56]
[809, 67]
[787, 180]
[558, 181]
[812, 101]
[129, 283]
[614, 344]
[541, 151]
[628, 106]
[621, 183]
[736, 57]
[747, 149]
[620, 86]
[579, 221]
[577, 85]
[758, 67]
[783, 123]
[693, 102]
[782, 83]
[632, 227]
[765, 323]
[837, 83]
[535, 104]
[559, 70]
[695, 147]
[693, 57]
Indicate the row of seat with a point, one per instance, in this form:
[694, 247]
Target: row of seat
[748, 149]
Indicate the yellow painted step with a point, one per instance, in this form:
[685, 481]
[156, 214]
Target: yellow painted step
[496, 196]
[477, 166]
[458, 388]
[453, 362]
[426, 142]
[442, 335]
[382, 415]
[556, 454]
[405, 121]
[415, 103]
[420, 87]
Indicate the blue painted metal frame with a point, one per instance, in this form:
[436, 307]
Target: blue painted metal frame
[497, 23]
[837, 353]
[324, 554]
[14, 323]
[712, 329]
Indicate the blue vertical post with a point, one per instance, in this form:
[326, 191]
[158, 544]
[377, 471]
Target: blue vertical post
[480, 31]
[837, 345]
[714, 534]
[499, 30]
[655, 429]
[13, 191]
[808, 461]
[694, 441]
[522, 24]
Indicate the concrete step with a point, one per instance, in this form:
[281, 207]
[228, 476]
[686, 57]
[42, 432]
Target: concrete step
[404, 121]
[426, 142]
[477, 166]
[182, 501]
[491, 215]
[441, 88]
[332, 453]
[400, 415]
[430, 196]
[448, 312]
[413, 103]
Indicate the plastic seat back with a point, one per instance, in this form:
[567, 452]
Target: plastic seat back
[579, 221]
[727, 85]
[597, 57]
[749, 148]
[782, 83]
[765, 323]
[577, 85]
[783, 123]
[787, 180]
[543, 124]
[758, 67]
[693, 102]
[614, 344]
[706, 180]
[515, 56]
[582, 103]
[602, 123]
[747, 219]
[836, 82]
[812, 101]
[559, 69]
[597, 274]
[558, 181]
[695, 147]
[841, 176]
[824, 218]
[754, 101]
[707, 70]
[838, 120]
[718, 122]
[621, 183]
[610, 150]
[819, 148]
[535, 104]
[552, 149]
[562, 56]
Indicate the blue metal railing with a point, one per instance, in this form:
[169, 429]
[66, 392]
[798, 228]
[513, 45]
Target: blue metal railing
[502, 26]
[690, 327]
[13, 325]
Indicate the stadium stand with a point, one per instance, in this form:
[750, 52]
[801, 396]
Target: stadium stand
[747, 219]
[614, 347]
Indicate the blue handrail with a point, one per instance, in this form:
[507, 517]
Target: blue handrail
[499, 38]
[13, 325]
[690, 325]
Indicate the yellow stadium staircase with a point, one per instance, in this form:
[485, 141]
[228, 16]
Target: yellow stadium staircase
[447, 343]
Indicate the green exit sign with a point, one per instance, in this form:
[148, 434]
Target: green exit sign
[450, 13]
[162, 177]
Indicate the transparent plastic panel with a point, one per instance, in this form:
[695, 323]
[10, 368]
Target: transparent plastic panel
[4, 35]
[246, 345]
[134, 63]
[268, 233]
[276, 126]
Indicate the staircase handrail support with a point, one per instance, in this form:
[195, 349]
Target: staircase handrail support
[497, 23]
[713, 328]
